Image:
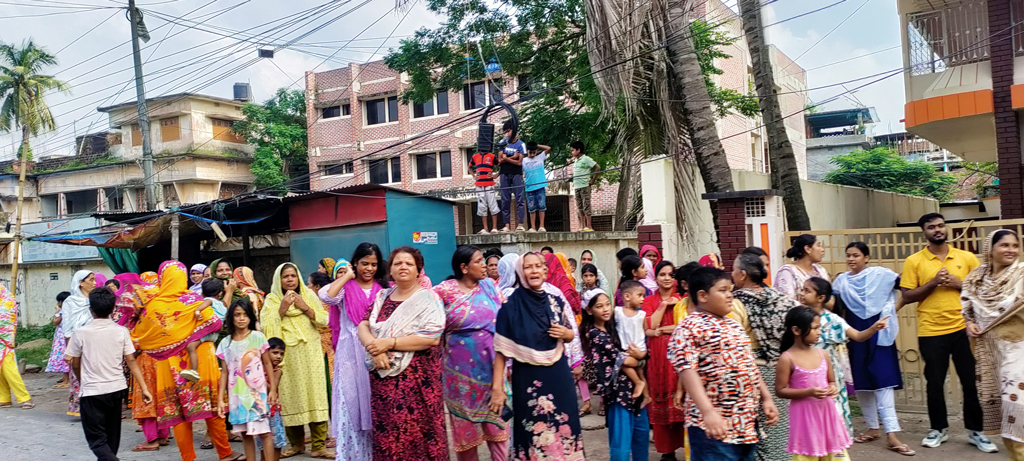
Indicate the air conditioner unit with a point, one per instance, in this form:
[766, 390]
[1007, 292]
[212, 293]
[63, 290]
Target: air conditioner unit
[360, 146]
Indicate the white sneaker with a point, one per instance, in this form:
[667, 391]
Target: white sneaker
[494, 231]
[981, 441]
[542, 230]
[935, 438]
[520, 229]
[531, 231]
[506, 229]
[484, 232]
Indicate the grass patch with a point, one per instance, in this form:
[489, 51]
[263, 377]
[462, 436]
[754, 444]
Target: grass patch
[37, 356]
[26, 334]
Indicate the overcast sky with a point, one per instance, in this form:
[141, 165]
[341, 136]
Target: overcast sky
[91, 37]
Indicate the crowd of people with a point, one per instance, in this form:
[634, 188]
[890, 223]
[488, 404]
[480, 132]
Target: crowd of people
[371, 355]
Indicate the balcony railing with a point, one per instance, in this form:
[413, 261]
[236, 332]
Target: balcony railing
[947, 37]
[957, 35]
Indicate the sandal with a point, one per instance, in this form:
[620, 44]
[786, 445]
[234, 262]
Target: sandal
[331, 443]
[292, 451]
[585, 410]
[61, 386]
[865, 438]
[6, 405]
[322, 454]
[903, 450]
[206, 445]
[237, 457]
[28, 405]
[143, 447]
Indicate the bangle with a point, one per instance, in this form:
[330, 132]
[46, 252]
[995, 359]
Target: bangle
[395, 344]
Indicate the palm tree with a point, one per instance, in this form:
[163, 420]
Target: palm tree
[22, 87]
[642, 96]
[785, 175]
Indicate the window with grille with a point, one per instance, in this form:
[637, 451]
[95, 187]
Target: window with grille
[383, 110]
[435, 106]
[331, 112]
[385, 171]
[338, 169]
[754, 207]
[434, 165]
[478, 95]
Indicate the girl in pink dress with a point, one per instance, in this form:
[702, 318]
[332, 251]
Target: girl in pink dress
[804, 376]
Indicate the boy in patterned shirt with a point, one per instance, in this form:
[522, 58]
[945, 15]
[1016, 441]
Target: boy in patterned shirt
[712, 355]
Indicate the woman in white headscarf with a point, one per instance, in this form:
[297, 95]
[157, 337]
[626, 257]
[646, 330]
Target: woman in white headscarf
[75, 313]
[869, 294]
[508, 281]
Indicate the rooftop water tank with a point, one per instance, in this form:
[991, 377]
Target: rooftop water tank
[243, 92]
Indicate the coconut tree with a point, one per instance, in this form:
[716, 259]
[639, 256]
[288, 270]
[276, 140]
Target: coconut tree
[22, 86]
[785, 175]
[659, 101]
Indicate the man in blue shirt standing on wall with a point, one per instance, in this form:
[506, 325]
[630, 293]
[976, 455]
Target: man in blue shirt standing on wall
[511, 161]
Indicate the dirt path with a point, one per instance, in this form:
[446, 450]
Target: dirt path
[47, 433]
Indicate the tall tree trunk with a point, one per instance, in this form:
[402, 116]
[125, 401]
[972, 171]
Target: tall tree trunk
[785, 174]
[698, 115]
[625, 192]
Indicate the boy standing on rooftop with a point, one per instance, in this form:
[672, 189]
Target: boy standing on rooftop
[584, 175]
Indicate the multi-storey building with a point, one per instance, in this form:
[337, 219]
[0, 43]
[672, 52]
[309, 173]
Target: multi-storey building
[197, 158]
[359, 132]
[965, 83]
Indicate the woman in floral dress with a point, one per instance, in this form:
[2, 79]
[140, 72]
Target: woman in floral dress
[532, 330]
[471, 302]
[401, 334]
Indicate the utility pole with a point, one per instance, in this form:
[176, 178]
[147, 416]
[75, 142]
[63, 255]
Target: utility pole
[174, 235]
[140, 92]
[21, 202]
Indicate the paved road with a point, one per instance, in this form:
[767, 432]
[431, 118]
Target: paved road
[46, 433]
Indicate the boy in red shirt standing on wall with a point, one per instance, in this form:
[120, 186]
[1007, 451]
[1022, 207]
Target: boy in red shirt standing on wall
[481, 165]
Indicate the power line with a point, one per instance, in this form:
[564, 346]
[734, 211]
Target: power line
[823, 37]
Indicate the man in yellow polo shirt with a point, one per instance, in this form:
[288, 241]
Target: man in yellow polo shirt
[932, 277]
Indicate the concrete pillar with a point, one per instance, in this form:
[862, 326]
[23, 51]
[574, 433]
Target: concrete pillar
[659, 226]
[1008, 130]
[740, 225]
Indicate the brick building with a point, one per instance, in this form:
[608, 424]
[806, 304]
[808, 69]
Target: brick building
[355, 111]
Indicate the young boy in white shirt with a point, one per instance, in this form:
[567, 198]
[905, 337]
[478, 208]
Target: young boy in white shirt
[96, 351]
[536, 182]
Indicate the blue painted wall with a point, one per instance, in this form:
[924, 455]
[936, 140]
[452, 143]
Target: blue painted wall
[408, 214]
[309, 247]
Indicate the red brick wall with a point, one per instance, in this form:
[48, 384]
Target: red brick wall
[732, 229]
[650, 234]
[1008, 143]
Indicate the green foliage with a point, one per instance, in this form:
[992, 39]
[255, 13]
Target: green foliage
[709, 41]
[989, 172]
[278, 130]
[882, 168]
[21, 148]
[22, 87]
[551, 49]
